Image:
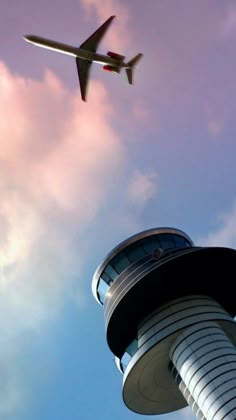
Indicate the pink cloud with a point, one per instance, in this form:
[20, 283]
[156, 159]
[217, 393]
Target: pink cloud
[53, 141]
[56, 152]
[119, 35]
[59, 159]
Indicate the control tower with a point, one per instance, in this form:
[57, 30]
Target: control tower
[169, 308]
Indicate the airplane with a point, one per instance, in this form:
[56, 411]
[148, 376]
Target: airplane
[86, 54]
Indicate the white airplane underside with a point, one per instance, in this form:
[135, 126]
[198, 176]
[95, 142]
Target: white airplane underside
[86, 54]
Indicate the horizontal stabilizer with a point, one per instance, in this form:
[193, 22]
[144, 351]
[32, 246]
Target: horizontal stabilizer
[130, 67]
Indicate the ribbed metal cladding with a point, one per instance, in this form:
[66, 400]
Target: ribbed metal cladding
[205, 359]
[125, 281]
[186, 393]
[148, 387]
[179, 314]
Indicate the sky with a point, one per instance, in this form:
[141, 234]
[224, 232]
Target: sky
[77, 178]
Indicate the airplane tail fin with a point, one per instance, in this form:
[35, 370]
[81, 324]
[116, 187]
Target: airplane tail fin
[129, 70]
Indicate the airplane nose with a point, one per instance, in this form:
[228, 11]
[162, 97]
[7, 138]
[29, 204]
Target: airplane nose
[29, 38]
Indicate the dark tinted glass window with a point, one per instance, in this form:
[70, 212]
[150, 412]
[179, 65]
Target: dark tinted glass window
[101, 297]
[129, 352]
[187, 243]
[102, 289]
[102, 286]
[109, 270]
[149, 244]
[106, 278]
[166, 241]
[134, 253]
[132, 348]
[125, 360]
[137, 251]
[181, 242]
[120, 262]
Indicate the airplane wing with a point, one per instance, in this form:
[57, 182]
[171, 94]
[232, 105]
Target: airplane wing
[92, 42]
[83, 68]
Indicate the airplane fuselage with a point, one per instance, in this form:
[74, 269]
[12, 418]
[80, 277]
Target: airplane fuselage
[76, 52]
[86, 54]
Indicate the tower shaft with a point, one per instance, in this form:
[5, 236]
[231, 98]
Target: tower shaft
[187, 339]
[205, 359]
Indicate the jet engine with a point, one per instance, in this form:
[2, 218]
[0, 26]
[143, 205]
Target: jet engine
[108, 68]
[111, 69]
[115, 55]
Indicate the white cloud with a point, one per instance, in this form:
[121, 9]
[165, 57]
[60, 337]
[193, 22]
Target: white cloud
[142, 187]
[225, 234]
[61, 162]
[59, 158]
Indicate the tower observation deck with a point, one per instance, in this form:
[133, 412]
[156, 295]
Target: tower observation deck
[169, 308]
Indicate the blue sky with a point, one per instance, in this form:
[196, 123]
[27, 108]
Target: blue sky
[78, 178]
